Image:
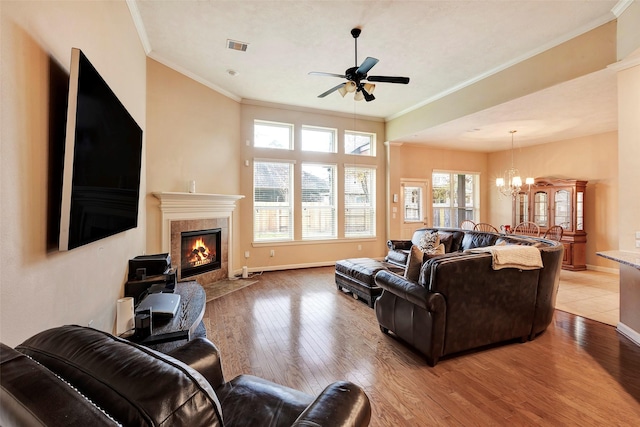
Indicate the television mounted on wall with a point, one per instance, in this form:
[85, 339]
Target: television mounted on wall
[102, 160]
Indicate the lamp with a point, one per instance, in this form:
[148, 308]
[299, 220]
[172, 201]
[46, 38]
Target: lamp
[365, 92]
[511, 183]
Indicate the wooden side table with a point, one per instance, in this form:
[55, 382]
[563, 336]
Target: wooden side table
[172, 332]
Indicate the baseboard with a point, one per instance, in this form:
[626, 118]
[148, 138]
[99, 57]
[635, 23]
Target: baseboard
[295, 266]
[629, 333]
[603, 269]
[291, 266]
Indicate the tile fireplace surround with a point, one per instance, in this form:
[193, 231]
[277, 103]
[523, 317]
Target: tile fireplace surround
[198, 211]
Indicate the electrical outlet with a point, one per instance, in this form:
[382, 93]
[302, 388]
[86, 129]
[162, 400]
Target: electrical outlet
[272, 253]
[246, 254]
[637, 235]
[359, 247]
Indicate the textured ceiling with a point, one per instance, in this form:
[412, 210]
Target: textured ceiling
[440, 45]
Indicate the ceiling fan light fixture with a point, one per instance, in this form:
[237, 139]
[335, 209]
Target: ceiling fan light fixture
[343, 90]
[359, 96]
[350, 86]
[369, 87]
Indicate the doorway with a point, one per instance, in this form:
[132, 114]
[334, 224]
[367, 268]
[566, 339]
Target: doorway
[415, 215]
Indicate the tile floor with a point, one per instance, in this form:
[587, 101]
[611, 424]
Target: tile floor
[591, 294]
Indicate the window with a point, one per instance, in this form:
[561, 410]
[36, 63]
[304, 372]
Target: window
[319, 219]
[272, 200]
[412, 201]
[359, 143]
[456, 197]
[273, 135]
[318, 139]
[360, 201]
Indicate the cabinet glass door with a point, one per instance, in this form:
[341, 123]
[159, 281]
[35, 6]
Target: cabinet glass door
[541, 208]
[580, 211]
[562, 214]
[522, 208]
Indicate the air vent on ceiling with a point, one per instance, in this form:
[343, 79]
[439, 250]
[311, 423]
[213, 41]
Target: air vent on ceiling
[236, 45]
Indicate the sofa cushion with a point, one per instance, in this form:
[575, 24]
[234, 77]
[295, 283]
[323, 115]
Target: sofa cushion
[134, 384]
[397, 256]
[477, 239]
[451, 240]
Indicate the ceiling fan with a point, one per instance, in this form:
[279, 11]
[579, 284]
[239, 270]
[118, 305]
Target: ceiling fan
[356, 77]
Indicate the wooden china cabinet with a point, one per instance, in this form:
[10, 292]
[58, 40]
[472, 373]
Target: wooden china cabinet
[560, 202]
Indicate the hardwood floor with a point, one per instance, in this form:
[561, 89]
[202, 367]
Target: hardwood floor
[295, 328]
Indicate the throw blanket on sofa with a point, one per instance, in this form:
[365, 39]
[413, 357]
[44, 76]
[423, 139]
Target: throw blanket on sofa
[512, 256]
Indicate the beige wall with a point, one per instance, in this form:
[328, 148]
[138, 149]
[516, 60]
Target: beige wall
[593, 158]
[193, 133]
[409, 161]
[289, 255]
[582, 55]
[39, 290]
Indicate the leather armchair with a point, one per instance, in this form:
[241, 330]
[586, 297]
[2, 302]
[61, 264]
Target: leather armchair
[98, 379]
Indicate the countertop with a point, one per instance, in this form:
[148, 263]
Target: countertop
[623, 257]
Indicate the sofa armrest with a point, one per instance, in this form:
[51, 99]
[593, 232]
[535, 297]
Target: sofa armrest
[343, 403]
[399, 244]
[408, 290]
[203, 356]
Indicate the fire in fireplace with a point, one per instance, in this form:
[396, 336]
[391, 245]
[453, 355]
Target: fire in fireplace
[200, 251]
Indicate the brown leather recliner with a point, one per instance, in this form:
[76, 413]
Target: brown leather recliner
[74, 375]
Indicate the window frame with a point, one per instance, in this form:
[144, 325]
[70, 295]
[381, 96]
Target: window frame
[451, 210]
[281, 125]
[290, 206]
[333, 206]
[332, 131]
[372, 142]
[369, 207]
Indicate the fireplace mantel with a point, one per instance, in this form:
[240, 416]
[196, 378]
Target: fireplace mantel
[196, 202]
[176, 206]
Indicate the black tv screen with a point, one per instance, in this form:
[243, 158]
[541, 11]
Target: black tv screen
[102, 160]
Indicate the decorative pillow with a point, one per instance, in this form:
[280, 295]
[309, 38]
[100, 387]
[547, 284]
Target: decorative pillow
[414, 264]
[429, 242]
[439, 250]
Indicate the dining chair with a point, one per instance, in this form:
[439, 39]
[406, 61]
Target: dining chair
[554, 233]
[483, 226]
[467, 224]
[527, 228]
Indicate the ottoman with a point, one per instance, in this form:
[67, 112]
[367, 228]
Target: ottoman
[356, 275]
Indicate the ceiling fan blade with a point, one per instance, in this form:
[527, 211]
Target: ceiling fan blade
[388, 79]
[367, 64]
[333, 89]
[320, 73]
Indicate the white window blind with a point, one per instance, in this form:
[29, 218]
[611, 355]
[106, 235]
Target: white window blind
[319, 219]
[272, 201]
[360, 201]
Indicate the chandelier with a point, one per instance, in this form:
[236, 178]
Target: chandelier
[510, 184]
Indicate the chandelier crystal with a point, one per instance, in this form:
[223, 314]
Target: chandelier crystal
[510, 183]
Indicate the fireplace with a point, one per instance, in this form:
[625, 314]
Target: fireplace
[200, 251]
[183, 212]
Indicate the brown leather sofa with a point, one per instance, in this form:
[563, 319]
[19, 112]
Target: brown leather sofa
[460, 302]
[76, 376]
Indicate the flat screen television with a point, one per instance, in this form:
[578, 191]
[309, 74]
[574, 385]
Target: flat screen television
[102, 160]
